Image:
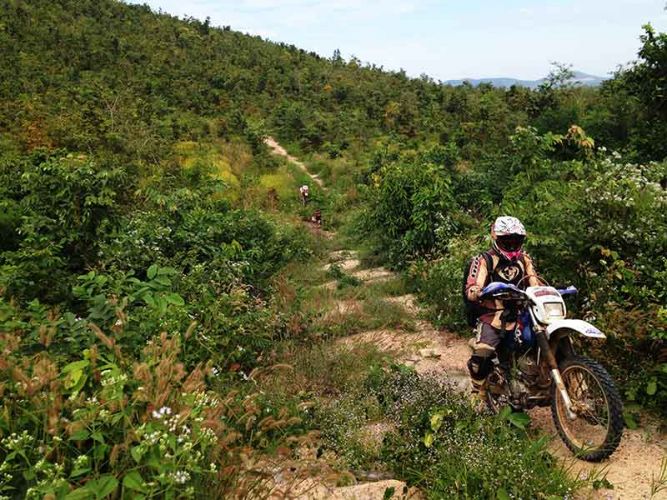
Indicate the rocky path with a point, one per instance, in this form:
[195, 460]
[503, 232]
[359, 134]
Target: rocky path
[427, 350]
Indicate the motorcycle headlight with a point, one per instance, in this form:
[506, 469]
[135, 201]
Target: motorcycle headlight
[554, 310]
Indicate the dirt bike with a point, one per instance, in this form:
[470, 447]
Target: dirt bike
[537, 366]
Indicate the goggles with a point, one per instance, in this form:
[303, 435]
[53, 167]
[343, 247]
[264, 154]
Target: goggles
[511, 242]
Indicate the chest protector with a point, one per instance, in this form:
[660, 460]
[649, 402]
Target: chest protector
[506, 271]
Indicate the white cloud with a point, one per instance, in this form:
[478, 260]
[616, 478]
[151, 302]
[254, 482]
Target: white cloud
[334, 5]
[271, 4]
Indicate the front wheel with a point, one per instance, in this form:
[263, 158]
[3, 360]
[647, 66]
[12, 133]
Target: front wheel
[596, 431]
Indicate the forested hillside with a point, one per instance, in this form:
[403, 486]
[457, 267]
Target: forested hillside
[142, 79]
[154, 266]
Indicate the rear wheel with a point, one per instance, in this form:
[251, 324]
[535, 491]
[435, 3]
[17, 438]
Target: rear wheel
[596, 431]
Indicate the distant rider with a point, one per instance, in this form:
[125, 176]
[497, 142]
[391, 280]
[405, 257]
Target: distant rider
[317, 217]
[304, 193]
[509, 264]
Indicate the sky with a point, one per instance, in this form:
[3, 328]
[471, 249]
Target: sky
[446, 39]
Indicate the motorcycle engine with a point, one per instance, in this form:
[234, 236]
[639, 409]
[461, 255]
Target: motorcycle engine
[521, 386]
[518, 390]
[528, 368]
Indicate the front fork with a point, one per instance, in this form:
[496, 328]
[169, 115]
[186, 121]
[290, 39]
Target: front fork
[543, 344]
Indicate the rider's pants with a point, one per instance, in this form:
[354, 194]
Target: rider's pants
[487, 340]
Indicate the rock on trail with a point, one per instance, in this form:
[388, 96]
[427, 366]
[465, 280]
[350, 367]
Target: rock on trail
[345, 265]
[407, 301]
[373, 275]
[404, 345]
[339, 255]
[377, 490]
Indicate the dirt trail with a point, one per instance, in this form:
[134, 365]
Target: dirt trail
[630, 469]
[277, 149]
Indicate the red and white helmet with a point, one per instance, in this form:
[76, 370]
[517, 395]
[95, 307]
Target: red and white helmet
[508, 235]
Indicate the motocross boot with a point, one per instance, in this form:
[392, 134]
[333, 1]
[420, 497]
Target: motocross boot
[478, 395]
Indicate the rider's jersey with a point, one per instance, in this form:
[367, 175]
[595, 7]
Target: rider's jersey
[520, 273]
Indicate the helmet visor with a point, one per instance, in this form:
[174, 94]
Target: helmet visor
[511, 242]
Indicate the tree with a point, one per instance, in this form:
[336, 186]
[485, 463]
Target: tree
[646, 81]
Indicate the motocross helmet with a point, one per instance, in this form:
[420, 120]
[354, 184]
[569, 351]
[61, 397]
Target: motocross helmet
[508, 235]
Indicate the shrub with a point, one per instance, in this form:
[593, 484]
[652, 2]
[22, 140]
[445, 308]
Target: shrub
[440, 282]
[344, 429]
[66, 204]
[593, 221]
[441, 444]
[604, 230]
[104, 422]
[88, 411]
[410, 209]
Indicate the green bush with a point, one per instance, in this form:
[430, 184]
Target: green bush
[344, 423]
[410, 209]
[440, 282]
[441, 444]
[601, 224]
[101, 403]
[123, 304]
[66, 205]
[106, 423]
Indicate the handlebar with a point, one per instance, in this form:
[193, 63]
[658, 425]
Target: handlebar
[570, 290]
[507, 291]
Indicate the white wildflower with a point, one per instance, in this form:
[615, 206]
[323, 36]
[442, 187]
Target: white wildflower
[162, 412]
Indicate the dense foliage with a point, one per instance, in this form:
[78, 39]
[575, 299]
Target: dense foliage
[597, 222]
[452, 452]
[437, 440]
[122, 305]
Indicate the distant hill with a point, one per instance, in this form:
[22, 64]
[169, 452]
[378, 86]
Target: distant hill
[580, 78]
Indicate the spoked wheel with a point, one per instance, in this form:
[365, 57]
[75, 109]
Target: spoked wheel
[596, 431]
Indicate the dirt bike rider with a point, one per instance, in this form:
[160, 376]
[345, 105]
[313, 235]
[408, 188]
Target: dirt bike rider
[316, 218]
[304, 193]
[505, 262]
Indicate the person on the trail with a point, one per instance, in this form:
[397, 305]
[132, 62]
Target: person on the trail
[317, 217]
[509, 264]
[304, 193]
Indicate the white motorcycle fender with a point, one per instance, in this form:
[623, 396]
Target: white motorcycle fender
[582, 327]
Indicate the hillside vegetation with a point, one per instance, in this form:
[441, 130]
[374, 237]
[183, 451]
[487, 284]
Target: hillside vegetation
[156, 276]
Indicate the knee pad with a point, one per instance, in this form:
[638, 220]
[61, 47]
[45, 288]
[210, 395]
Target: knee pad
[480, 366]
